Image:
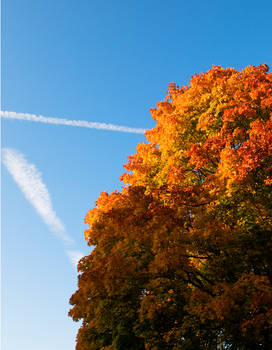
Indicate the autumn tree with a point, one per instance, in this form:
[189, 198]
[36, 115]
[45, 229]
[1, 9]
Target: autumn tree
[182, 256]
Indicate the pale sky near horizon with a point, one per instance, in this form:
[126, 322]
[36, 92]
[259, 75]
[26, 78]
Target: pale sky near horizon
[96, 61]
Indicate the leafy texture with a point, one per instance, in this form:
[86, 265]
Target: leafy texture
[182, 255]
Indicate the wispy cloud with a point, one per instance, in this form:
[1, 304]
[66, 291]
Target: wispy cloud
[62, 121]
[29, 180]
[75, 256]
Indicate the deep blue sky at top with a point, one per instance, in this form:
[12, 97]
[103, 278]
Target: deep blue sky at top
[105, 61]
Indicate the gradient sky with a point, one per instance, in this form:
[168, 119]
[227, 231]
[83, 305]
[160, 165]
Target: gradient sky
[101, 61]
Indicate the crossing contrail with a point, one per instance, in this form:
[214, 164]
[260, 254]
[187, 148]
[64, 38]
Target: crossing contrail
[74, 256]
[30, 182]
[63, 121]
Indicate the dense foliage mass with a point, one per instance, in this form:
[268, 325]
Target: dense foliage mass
[182, 255]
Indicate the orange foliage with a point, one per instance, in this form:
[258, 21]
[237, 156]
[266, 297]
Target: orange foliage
[181, 256]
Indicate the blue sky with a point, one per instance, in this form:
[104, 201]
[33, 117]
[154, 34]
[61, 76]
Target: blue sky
[102, 61]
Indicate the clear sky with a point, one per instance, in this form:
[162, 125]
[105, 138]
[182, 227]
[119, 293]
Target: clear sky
[99, 61]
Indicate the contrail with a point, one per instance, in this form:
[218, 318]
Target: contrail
[29, 180]
[63, 121]
[74, 256]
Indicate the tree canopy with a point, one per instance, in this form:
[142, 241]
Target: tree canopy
[182, 255]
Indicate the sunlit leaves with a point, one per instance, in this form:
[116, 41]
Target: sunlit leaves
[181, 256]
